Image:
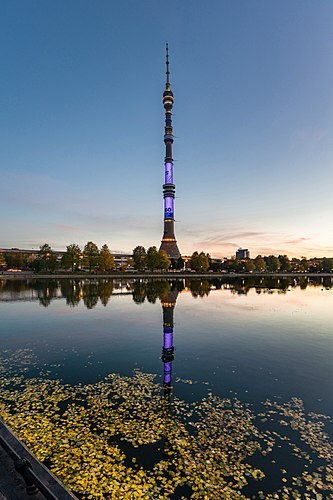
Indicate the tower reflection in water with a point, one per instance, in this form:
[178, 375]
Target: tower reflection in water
[168, 302]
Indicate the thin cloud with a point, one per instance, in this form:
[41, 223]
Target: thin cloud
[222, 239]
[222, 242]
[69, 229]
[296, 241]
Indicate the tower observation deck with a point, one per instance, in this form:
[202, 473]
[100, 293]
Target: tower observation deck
[168, 242]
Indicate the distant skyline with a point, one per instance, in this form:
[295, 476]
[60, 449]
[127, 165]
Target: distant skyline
[82, 123]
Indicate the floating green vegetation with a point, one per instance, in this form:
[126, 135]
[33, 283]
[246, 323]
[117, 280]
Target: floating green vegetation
[93, 437]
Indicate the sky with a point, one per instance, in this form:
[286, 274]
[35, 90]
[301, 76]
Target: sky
[82, 124]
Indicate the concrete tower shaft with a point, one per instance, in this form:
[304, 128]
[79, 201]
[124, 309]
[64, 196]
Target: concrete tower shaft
[168, 243]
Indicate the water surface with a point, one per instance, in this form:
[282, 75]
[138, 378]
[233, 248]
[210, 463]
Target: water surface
[237, 344]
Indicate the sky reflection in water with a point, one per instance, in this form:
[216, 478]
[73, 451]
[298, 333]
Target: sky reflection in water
[271, 340]
[265, 343]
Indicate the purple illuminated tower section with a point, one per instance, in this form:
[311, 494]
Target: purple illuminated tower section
[168, 243]
[168, 305]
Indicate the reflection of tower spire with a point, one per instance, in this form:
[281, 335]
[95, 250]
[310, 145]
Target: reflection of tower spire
[169, 243]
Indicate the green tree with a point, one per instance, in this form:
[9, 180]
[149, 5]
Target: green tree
[260, 264]
[216, 266]
[163, 262]
[327, 265]
[204, 260]
[173, 264]
[194, 262]
[66, 262]
[49, 257]
[200, 261]
[152, 258]
[180, 263]
[72, 257]
[304, 264]
[295, 264]
[106, 260]
[46, 259]
[9, 257]
[90, 255]
[2, 260]
[273, 263]
[231, 265]
[16, 260]
[249, 265]
[139, 258]
[19, 260]
[177, 263]
[285, 264]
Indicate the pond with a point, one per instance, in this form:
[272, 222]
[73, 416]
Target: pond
[176, 389]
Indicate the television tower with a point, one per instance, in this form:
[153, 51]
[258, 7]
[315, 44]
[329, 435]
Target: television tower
[168, 242]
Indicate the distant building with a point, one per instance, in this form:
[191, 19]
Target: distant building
[123, 260]
[31, 255]
[242, 253]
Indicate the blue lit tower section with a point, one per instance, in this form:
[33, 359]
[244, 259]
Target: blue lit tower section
[168, 243]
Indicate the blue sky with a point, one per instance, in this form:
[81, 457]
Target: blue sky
[81, 142]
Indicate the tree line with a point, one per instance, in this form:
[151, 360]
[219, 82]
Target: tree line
[93, 292]
[272, 264]
[153, 259]
[74, 259]
[91, 257]
[203, 262]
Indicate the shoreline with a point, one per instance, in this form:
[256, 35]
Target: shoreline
[164, 275]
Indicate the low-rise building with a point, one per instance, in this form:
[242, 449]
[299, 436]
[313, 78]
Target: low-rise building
[242, 253]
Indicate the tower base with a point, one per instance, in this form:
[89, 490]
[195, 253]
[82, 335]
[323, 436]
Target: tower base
[171, 249]
[169, 243]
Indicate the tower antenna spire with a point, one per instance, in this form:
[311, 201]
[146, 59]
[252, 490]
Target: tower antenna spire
[167, 65]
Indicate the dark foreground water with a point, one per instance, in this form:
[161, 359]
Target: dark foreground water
[240, 408]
